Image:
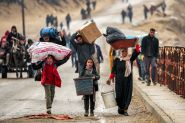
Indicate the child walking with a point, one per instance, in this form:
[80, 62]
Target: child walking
[50, 77]
[89, 70]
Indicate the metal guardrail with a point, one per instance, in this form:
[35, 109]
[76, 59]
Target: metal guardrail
[171, 68]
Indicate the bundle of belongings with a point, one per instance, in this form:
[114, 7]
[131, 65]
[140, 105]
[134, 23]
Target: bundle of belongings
[118, 40]
[52, 32]
[40, 50]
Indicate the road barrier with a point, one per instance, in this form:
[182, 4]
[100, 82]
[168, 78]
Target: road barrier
[171, 68]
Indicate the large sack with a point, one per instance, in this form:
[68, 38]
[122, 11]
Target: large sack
[40, 50]
[113, 34]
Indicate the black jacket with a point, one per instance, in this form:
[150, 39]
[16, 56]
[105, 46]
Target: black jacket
[99, 54]
[84, 50]
[150, 46]
[56, 40]
[9, 39]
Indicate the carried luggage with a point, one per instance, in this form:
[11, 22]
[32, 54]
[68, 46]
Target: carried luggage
[118, 40]
[51, 32]
[124, 43]
[90, 32]
[84, 85]
[109, 99]
[40, 50]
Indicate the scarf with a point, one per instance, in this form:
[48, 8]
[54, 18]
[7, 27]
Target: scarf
[128, 65]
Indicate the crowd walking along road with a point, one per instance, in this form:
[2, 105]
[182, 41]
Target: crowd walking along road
[55, 90]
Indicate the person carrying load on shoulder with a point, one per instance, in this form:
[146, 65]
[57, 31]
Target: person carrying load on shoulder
[48, 34]
[84, 50]
[50, 77]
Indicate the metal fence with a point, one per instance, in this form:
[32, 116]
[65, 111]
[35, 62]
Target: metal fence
[171, 68]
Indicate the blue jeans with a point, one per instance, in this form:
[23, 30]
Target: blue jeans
[143, 70]
[150, 61]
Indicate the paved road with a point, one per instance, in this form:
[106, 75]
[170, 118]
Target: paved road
[19, 97]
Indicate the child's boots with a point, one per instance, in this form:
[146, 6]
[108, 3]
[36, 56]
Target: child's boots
[92, 113]
[86, 113]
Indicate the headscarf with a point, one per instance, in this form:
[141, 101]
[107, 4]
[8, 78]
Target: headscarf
[127, 61]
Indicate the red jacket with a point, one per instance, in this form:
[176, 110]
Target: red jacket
[4, 37]
[50, 76]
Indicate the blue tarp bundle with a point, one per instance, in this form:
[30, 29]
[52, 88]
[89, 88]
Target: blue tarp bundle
[51, 32]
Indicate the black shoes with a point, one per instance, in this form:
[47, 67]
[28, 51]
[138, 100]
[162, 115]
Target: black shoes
[125, 113]
[148, 81]
[86, 113]
[140, 79]
[48, 111]
[155, 83]
[122, 112]
[92, 113]
[148, 84]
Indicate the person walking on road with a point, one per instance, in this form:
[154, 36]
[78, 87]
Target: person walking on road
[125, 1]
[122, 71]
[47, 20]
[50, 77]
[88, 11]
[83, 13]
[84, 50]
[97, 57]
[141, 68]
[145, 10]
[99, 54]
[89, 70]
[130, 12]
[59, 38]
[163, 6]
[150, 50]
[68, 20]
[94, 4]
[123, 15]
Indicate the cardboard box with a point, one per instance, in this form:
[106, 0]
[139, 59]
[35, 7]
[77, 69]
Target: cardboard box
[90, 32]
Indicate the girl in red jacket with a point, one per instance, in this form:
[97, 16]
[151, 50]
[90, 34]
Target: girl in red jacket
[50, 77]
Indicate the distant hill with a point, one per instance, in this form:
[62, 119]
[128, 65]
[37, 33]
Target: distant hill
[37, 7]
